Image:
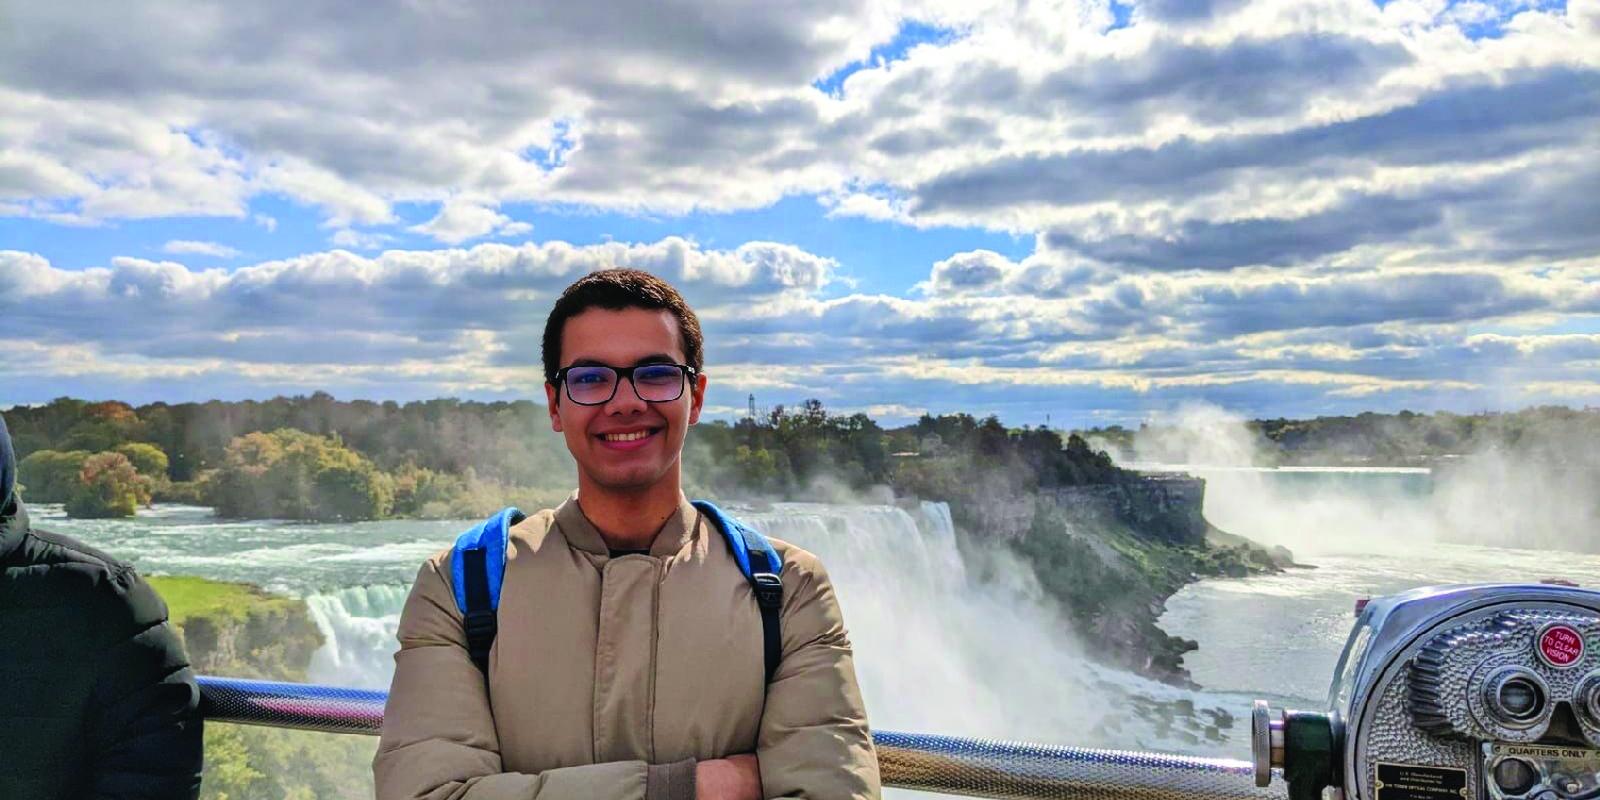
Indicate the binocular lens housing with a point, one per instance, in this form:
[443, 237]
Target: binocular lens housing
[1586, 699]
[1516, 696]
[1515, 776]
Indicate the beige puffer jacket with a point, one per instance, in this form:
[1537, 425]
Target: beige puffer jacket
[610, 677]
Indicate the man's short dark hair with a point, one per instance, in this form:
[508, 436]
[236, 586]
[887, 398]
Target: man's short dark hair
[615, 290]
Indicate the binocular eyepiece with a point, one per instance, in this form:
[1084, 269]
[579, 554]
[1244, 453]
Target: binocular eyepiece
[1462, 693]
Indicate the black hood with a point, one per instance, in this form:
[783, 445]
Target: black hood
[13, 518]
[8, 467]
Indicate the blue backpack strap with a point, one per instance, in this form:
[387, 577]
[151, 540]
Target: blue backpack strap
[761, 567]
[477, 568]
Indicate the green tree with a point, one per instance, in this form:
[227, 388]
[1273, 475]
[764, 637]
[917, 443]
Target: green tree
[148, 459]
[757, 469]
[239, 488]
[51, 476]
[102, 427]
[418, 490]
[352, 491]
[245, 762]
[292, 474]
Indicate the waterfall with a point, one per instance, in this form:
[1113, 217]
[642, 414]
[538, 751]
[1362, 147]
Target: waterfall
[966, 643]
[358, 635]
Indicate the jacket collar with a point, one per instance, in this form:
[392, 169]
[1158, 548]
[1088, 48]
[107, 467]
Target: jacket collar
[13, 524]
[582, 534]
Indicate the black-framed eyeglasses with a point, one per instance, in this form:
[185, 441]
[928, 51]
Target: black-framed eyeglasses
[596, 384]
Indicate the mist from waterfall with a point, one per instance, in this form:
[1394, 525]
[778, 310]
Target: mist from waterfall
[1534, 493]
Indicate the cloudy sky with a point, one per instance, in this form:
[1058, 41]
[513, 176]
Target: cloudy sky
[1092, 210]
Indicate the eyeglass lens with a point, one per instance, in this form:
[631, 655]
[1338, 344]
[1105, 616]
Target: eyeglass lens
[654, 383]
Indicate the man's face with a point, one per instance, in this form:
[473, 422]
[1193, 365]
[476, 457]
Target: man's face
[605, 439]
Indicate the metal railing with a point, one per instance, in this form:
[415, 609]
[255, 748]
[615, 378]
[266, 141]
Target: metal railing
[953, 765]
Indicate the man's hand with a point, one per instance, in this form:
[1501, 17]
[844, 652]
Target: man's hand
[732, 778]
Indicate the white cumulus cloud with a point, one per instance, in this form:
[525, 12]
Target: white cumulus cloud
[191, 247]
[462, 220]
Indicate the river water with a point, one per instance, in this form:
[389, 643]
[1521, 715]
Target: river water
[1364, 533]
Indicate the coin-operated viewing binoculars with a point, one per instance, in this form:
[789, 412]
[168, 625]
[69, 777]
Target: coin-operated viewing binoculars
[1458, 693]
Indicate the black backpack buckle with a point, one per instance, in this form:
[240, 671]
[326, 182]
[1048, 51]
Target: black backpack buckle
[768, 589]
[479, 622]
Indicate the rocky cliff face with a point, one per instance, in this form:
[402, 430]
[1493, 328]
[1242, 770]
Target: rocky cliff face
[1112, 553]
[1165, 508]
[240, 631]
[1160, 507]
[267, 643]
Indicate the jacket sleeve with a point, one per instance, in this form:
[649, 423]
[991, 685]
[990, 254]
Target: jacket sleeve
[439, 740]
[145, 734]
[814, 740]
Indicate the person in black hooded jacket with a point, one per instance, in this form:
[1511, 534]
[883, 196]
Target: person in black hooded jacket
[96, 696]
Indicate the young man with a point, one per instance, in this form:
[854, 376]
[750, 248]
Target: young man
[629, 659]
[96, 697]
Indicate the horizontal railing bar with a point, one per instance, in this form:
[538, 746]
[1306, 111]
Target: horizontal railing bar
[949, 764]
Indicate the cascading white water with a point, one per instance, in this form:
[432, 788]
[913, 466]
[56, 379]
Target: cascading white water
[358, 635]
[939, 650]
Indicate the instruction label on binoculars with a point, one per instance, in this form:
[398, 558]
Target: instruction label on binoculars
[1547, 752]
[1413, 782]
[1560, 646]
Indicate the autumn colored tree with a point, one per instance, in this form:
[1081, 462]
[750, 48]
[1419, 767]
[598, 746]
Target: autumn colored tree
[108, 486]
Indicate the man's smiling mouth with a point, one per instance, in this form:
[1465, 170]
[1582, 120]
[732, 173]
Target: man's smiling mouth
[628, 437]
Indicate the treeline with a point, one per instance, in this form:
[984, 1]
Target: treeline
[301, 457]
[291, 474]
[319, 458]
[1371, 439]
[504, 441]
[808, 452]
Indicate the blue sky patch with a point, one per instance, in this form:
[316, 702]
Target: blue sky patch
[1121, 15]
[562, 143]
[910, 35]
